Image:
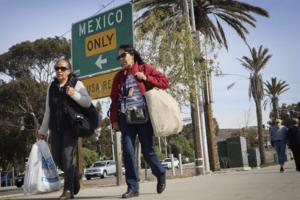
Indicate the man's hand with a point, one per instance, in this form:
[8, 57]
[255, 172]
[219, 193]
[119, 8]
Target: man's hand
[40, 136]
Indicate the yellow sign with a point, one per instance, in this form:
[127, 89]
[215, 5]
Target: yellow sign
[99, 86]
[100, 42]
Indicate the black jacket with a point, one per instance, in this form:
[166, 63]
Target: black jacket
[293, 137]
[57, 100]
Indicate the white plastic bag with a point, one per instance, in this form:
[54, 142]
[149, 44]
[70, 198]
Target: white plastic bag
[164, 113]
[41, 175]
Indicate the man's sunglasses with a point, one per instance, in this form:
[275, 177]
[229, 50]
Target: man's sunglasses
[122, 55]
[61, 68]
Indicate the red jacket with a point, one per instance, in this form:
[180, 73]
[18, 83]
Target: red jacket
[154, 79]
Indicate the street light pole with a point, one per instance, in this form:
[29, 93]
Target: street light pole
[194, 101]
[201, 99]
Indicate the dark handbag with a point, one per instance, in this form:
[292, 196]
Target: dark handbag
[137, 115]
[83, 121]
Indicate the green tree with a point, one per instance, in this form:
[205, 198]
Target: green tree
[19, 98]
[255, 64]
[159, 154]
[273, 90]
[89, 157]
[181, 145]
[34, 59]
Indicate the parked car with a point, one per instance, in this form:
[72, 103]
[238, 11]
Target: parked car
[101, 169]
[19, 180]
[167, 163]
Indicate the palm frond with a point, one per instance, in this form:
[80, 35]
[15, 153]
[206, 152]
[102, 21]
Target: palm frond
[234, 13]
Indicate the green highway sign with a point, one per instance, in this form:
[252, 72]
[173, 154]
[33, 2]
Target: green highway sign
[95, 40]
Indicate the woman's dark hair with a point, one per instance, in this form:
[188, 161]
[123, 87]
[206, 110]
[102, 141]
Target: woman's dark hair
[137, 56]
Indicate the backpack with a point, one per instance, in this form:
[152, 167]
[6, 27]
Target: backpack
[84, 121]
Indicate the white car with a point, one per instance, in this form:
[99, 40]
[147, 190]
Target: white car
[101, 169]
[167, 163]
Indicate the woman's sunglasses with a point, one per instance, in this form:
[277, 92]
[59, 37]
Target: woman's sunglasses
[60, 68]
[122, 55]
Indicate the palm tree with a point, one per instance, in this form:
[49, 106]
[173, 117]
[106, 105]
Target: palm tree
[208, 17]
[255, 64]
[273, 90]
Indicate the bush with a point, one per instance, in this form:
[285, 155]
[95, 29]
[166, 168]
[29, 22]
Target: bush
[181, 145]
[89, 157]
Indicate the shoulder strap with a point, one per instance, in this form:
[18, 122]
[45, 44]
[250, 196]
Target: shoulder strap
[72, 80]
[147, 86]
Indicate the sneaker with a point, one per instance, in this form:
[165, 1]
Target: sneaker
[281, 169]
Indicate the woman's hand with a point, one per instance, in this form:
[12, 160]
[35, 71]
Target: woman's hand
[141, 76]
[40, 136]
[70, 90]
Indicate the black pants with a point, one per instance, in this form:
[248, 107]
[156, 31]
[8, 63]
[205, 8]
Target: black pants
[296, 155]
[63, 145]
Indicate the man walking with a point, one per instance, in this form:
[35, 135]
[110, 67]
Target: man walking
[278, 135]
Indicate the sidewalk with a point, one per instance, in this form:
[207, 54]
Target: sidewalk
[258, 184]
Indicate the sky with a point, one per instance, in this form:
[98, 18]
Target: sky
[34, 19]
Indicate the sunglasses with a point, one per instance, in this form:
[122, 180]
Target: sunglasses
[122, 55]
[61, 68]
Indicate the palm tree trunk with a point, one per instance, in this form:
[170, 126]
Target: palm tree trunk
[275, 107]
[260, 131]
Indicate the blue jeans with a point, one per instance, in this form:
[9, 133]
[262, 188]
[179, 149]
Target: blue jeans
[280, 147]
[145, 134]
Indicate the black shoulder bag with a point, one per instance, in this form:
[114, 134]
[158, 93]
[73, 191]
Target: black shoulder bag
[84, 121]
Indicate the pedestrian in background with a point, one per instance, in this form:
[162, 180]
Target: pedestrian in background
[62, 140]
[293, 139]
[129, 86]
[278, 135]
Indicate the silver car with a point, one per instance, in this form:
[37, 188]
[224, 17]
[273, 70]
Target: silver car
[101, 169]
[167, 163]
